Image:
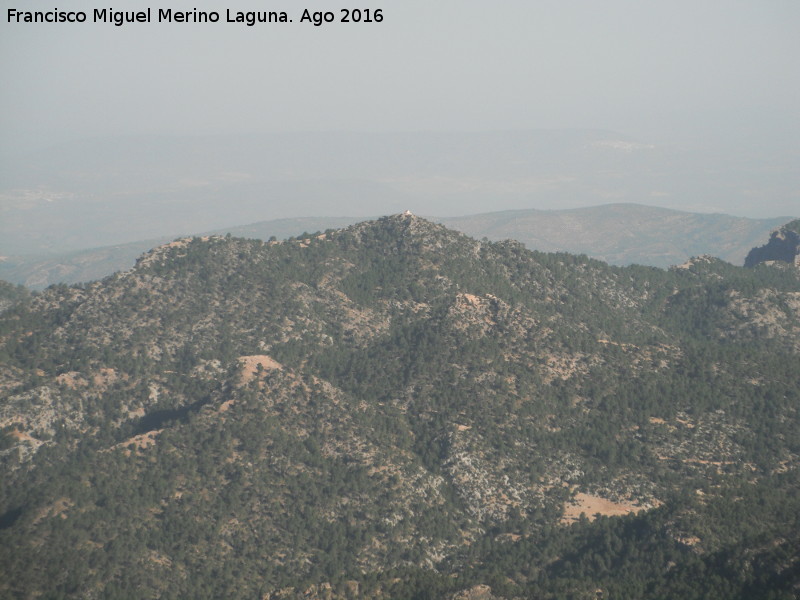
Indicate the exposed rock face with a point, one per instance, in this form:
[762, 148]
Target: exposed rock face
[783, 245]
[478, 592]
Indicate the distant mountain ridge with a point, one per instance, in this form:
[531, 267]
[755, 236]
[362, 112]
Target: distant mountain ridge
[619, 234]
[623, 234]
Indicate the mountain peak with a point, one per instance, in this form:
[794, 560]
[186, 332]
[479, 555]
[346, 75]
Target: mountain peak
[406, 230]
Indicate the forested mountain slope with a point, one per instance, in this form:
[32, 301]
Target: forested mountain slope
[395, 410]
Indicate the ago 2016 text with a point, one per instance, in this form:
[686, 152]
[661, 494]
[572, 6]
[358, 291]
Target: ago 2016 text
[346, 15]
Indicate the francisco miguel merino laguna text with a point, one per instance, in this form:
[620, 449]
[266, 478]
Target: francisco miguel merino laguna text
[168, 15]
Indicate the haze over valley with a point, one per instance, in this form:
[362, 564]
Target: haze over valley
[82, 210]
[117, 190]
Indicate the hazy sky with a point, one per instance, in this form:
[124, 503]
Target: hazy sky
[453, 65]
[694, 68]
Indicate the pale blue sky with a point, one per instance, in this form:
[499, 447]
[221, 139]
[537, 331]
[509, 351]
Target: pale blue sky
[718, 73]
[451, 65]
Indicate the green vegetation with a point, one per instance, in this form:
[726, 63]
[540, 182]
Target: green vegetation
[395, 410]
[793, 226]
[10, 294]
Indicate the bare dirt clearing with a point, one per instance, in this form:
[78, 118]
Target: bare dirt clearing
[593, 505]
[250, 365]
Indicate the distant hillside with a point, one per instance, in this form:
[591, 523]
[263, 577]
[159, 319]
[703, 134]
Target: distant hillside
[619, 234]
[623, 234]
[38, 271]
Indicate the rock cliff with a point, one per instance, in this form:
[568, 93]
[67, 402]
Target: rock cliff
[783, 246]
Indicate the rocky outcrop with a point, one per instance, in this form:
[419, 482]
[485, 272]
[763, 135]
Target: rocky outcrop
[477, 592]
[783, 246]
